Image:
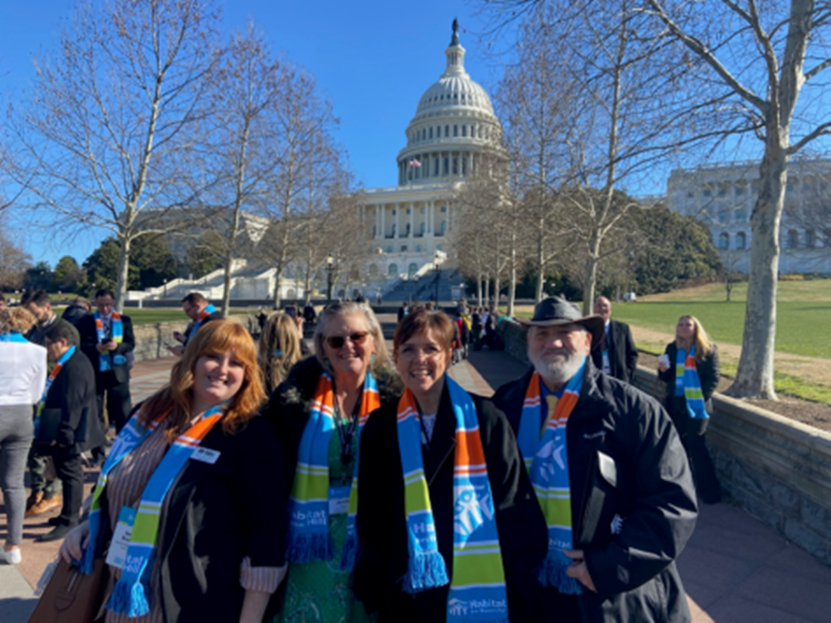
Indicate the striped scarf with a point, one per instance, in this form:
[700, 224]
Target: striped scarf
[107, 360]
[309, 537]
[477, 590]
[49, 380]
[686, 376]
[130, 594]
[210, 309]
[547, 462]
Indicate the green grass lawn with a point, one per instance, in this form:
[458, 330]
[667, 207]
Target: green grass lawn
[802, 327]
[165, 314]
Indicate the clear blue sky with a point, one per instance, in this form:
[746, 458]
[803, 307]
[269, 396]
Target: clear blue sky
[372, 58]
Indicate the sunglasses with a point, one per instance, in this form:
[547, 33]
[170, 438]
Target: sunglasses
[337, 341]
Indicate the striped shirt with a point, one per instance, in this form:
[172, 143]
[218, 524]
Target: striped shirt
[124, 487]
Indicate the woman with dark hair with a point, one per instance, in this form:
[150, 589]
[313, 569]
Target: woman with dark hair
[318, 413]
[23, 378]
[447, 520]
[689, 369]
[186, 476]
[278, 349]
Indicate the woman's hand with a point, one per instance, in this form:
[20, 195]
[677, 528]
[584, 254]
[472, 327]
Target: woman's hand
[75, 542]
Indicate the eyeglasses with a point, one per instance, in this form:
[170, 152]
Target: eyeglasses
[337, 341]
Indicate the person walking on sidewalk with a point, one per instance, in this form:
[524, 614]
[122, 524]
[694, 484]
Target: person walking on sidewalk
[45, 494]
[68, 400]
[22, 377]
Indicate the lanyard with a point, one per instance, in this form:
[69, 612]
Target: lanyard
[346, 433]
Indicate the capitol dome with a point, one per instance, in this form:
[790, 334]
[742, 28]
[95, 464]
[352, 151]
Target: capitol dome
[453, 125]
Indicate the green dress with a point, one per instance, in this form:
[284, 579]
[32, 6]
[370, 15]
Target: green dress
[319, 592]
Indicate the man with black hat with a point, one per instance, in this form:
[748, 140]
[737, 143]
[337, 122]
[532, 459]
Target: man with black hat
[610, 475]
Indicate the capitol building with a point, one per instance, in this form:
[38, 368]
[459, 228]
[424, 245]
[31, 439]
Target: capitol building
[409, 228]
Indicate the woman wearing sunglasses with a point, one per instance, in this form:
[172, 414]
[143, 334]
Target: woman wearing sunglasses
[448, 523]
[318, 413]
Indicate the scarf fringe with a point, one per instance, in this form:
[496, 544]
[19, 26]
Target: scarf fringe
[310, 546]
[425, 570]
[129, 599]
[553, 573]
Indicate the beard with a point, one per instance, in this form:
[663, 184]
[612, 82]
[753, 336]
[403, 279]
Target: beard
[560, 371]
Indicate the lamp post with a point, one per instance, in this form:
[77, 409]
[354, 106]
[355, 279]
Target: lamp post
[165, 289]
[330, 263]
[437, 260]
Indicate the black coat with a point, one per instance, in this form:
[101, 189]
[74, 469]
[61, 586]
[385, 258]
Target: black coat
[71, 400]
[219, 514]
[708, 374]
[212, 316]
[626, 460]
[89, 341]
[289, 405]
[383, 553]
[623, 356]
[74, 313]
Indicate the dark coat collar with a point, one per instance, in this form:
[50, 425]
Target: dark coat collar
[300, 384]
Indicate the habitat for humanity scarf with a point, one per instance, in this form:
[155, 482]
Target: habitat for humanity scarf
[49, 380]
[309, 537]
[130, 594]
[547, 461]
[107, 360]
[210, 309]
[477, 590]
[686, 375]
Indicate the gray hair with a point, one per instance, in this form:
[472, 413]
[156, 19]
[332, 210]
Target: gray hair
[351, 308]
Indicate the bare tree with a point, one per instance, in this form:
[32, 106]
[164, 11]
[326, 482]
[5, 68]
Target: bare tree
[13, 260]
[105, 132]
[757, 53]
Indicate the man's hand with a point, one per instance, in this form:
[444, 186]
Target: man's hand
[111, 345]
[578, 569]
[102, 347]
[179, 337]
[176, 350]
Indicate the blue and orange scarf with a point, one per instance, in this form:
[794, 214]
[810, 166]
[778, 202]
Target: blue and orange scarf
[106, 361]
[546, 458]
[477, 589]
[686, 377]
[309, 537]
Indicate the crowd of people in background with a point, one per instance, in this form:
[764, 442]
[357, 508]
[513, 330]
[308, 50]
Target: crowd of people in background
[270, 481]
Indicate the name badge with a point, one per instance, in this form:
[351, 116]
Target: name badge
[205, 455]
[117, 554]
[339, 499]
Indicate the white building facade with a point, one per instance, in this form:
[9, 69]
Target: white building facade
[723, 195]
[451, 138]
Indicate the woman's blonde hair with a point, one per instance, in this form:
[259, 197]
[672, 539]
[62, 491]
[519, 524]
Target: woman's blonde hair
[215, 337]
[702, 341]
[17, 319]
[351, 308]
[278, 349]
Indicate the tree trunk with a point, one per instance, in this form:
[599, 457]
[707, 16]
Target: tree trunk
[590, 276]
[487, 290]
[512, 287]
[479, 289]
[755, 374]
[123, 273]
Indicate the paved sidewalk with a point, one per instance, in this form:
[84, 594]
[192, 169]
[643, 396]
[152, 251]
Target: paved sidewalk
[735, 570]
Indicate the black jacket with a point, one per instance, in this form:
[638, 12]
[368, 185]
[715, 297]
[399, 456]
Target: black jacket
[218, 515]
[89, 341]
[708, 374]
[74, 313]
[217, 315]
[383, 553]
[623, 356]
[71, 401]
[625, 460]
[288, 407]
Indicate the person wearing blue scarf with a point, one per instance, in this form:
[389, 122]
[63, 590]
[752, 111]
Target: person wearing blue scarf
[690, 371]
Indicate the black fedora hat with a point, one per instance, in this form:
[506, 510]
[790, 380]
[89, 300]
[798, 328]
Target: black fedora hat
[553, 311]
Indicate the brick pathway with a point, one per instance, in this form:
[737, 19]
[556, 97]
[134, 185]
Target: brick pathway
[735, 569]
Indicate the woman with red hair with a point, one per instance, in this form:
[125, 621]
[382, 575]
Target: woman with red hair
[186, 480]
